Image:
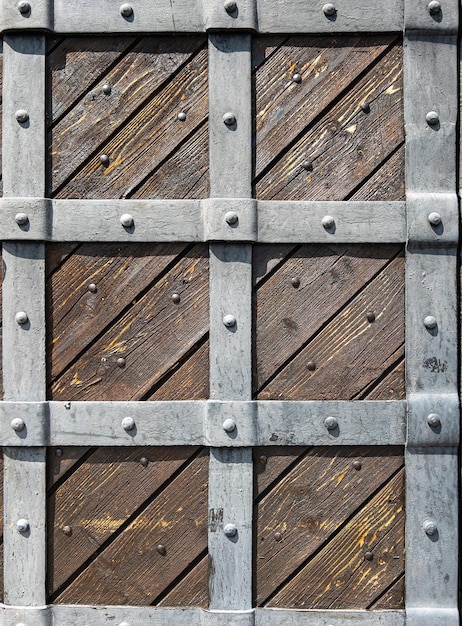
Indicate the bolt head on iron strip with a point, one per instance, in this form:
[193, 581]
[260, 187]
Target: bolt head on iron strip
[127, 220]
[432, 118]
[434, 218]
[21, 318]
[329, 9]
[434, 7]
[128, 423]
[22, 116]
[229, 321]
[22, 525]
[21, 219]
[430, 527]
[433, 420]
[229, 425]
[230, 530]
[126, 10]
[331, 423]
[430, 322]
[229, 119]
[18, 424]
[231, 218]
[24, 7]
[328, 222]
[230, 6]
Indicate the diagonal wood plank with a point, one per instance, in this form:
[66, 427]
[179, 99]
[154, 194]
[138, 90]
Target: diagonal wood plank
[394, 597]
[192, 590]
[60, 461]
[386, 182]
[131, 570]
[339, 575]
[310, 503]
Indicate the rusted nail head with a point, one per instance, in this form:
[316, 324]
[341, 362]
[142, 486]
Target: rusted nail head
[278, 536]
[161, 549]
[308, 166]
[357, 465]
[368, 556]
[92, 287]
[58, 452]
[104, 159]
[366, 107]
[263, 459]
[370, 316]
[121, 361]
[176, 298]
[295, 282]
[144, 461]
[297, 78]
[67, 530]
[311, 366]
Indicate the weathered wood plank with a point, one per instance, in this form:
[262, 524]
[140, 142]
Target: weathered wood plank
[327, 66]
[350, 352]
[62, 460]
[340, 576]
[386, 182]
[56, 254]
[392, 387]
[394, 597]
[119, 272]
[309, 504]
[146, 139]
[99, 497]
[287, 315]
[347, 144]
[152, 336]
[192, 590]
[131, 570]
[270, 463]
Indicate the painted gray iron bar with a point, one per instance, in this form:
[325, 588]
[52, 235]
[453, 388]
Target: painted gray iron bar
[24, 376]
[257, 423]
[231, 470]
[145, 16]
[214, 219]
[430, 106]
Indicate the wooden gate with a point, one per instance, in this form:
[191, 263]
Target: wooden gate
[229, 243]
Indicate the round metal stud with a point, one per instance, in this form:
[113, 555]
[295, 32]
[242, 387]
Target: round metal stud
[104, 160]
[297, 78]
[311, 366]
[18, 424]
[21, 318]
[124, 624]
[434, 218]
[22, 116]
[144, 461]
[230, 6]
[295, 282]
[229, 119]
[126, 10]
[430, 527]
[433, 420]
[24, 8]
[21, 219]
[229, 321]
[308, 166]
[59, 452]
[329, 9]
[176, 298]
[92, 288]
[121, 362]
[22, 525]
[432, 118]
[430, 322]
[370, 315]
[230, 530]
[263, 459]
[182, 116]
[127, 220]
[67, 530]
[434, 7]
[328, 222]
[106, 89]
[231, 218]
[161, 549]
[366, 107]
[331, 423]
[357, 465]
[278, 535]
[229, 425]
[128, 423]
[368, 556]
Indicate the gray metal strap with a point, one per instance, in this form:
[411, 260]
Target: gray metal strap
[24, 375]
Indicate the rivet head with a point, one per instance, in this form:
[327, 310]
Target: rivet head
[434, 218]
[331, 423]
[182, 116]
[434, 7]
[144, 461]
[229, 321]
[430, 322]
[230, 6]
[104, 160]
[430, 527]
[370, 315]
[311, 366]
[278, 536]
[433, 420]
[92, 288]
[308, 166]
[229, 119]
[121, 362]
[176, 298]
[21, 219]
[127, 220]
[128, 423]
[59, 452]
[432, 118]
[21, 318]
[357, 465]
[263, 459]
[295, 282]
[229, 425]
[22, 525]
[161, 549]
[106, 89]
[22, 116]
[67, 530]
[126, 10]
[329, 9]
[24, 8]
[328, 222]
[230, 530]
[18, 424]
[368, 556]
[366, 107]
[297, 78]
[231, 218]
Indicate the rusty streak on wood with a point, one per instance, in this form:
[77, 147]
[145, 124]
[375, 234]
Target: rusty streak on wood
[339, 575]
[131, 570]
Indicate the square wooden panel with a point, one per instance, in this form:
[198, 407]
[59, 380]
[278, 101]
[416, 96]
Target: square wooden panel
[128, 117]
[329, 322]
[128, 321]
[329, 118]
[329, 527]
[128, 526]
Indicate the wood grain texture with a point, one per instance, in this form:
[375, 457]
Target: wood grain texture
[192, 590]
[131, 570]
[60, 461]
[132, 316]
[339, 575]
[346, 145]
[310, 503]
[393, 597]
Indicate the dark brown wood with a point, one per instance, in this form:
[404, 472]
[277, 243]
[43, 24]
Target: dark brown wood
[346, 145]
[340, 575]
[61, 460]
[271, 463]
[192, 590]
[390, 388]
[386, 182]
[394, 597]
[131, 570]
[307, 507]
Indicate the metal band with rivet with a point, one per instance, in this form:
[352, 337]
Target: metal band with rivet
[329, 9]
[22, 525]
[229, 425]
[230, 530]
[21, 318]
[434, 7]
[22, 116]
[128, 423]
[126, 10]
[434, 218]
[24, 7]
[21, 219]
[331, 423]
[127, 220]
[430, 322]
[18, 424]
